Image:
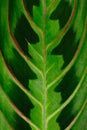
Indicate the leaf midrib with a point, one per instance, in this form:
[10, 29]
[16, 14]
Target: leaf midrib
[44, 71]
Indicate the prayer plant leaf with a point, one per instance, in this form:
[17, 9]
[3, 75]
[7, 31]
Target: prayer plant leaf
[43, 64]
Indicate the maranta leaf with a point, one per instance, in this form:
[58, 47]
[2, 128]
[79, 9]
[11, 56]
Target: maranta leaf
[43, 64]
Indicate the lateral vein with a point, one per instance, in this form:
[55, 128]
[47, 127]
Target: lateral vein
[51, 4]
[30, 64]
[20, 85]
[71, 97]
[77, 116]
[6, 119]
[31, 20]
[21, 114]
[40, 56]
[69, 66]
[60, 36]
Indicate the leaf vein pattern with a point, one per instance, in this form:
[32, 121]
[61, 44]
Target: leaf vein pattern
[21, 114]
[40, 56]
[44, 73]
[21, 86]
[1, 113]
[72, 61]
[27, 60]
[49, 68]
[71, 97]
[51, 4]
[62, 33]
[43, 81]
[31, 20]
[77, 116]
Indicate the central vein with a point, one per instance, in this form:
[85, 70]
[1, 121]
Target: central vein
[44, 72]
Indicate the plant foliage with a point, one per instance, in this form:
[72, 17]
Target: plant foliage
[43, 64]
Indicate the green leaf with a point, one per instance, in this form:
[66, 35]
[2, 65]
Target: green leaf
[43, 65]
